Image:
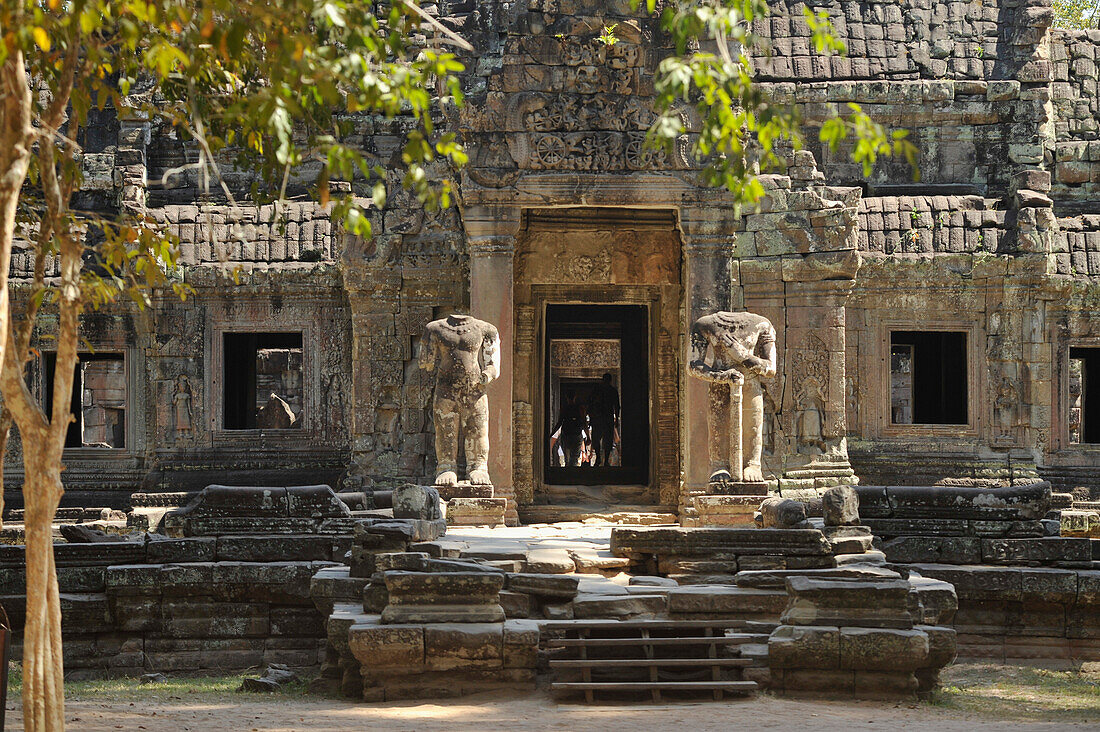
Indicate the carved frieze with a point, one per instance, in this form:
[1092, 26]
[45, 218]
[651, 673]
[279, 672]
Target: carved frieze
[584, 133]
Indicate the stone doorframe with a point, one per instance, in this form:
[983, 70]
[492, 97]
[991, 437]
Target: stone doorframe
[529, 409]
[491, 219]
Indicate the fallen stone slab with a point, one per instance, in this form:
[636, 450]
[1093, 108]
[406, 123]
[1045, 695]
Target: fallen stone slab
[456, 565]
[870, 557]
[274, 676]
[725, 601]
[776, 579]
[592, 586]
[645, 581]
[544, 585]
[592, 561]
[80, 534]
[549, 561]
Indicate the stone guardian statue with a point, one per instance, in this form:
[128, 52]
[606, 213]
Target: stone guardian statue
[733, 351]
[464, 353]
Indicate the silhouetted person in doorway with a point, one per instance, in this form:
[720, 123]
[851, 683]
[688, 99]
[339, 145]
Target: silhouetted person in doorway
[603, 411]
[571, 421]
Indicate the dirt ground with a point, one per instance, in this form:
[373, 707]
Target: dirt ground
[981, 708]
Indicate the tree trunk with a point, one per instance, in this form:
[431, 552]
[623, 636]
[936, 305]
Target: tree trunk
[43, 670]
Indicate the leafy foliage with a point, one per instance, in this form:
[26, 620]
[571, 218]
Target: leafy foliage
[742, 132]
[1076, 14]
[266, 87]
[277, 89]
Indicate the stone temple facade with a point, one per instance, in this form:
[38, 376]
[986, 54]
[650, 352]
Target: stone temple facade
[944, 331]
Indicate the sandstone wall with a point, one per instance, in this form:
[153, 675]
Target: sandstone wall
[1000, 238]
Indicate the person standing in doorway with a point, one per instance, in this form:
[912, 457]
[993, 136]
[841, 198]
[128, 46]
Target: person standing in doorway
[604, 414]
[571, 422]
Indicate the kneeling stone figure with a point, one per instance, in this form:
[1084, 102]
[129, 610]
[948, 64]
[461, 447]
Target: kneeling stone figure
[734, 351]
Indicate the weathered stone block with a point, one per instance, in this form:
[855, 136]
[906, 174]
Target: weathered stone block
[934, 549]
[619, 606]
[777, 579]
[702, 542]
[544, 585]
[864, 603]
[882, 649]
[549, 561]
[463, 646]
[942, 645]
[932, 601]
[466, 597]
[417, 502]
[197, 549]
[283, 548]
[718, 600]
[476, 511]
[516, 604]
[813, 680]
[883, 684]
[1044, 550]
[521, 643]
[782, 513]
[840, 506]
[791, 646]
[388, 646]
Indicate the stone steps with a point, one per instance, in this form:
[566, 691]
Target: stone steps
[656, 687]
[601, 663]
[715, 640]
[631, 624]
[648, 656]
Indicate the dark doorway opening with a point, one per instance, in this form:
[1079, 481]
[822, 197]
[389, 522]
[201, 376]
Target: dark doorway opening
[262, 380]
[928, 377]
[1084, 417]
[596, 381]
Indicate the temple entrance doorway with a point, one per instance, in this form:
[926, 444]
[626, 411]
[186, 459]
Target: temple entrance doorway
[598, 313]
[596, 400]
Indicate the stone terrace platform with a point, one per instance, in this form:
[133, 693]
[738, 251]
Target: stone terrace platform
[567, 547]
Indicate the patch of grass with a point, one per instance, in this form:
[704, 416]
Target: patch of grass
[1021, 693]
[204, 688]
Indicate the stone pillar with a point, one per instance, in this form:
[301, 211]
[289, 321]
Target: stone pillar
[708, 244]
[373, 297]
[491, 239]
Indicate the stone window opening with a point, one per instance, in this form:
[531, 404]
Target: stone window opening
[98, 400]
[1084, 407]
[262, 381]
[928, 378]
